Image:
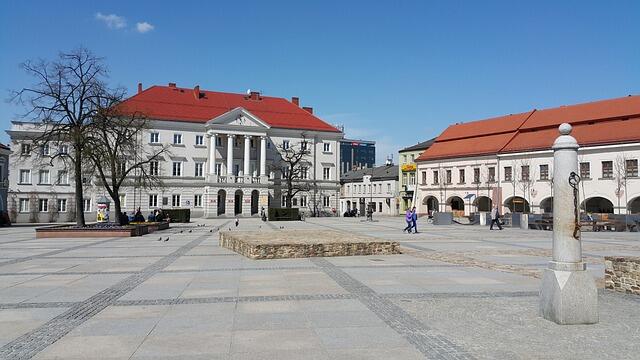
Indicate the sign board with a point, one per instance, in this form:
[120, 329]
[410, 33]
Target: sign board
[408, 167]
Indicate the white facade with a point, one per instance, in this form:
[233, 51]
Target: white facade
[378, 192]
[222, 168]
[600, 191]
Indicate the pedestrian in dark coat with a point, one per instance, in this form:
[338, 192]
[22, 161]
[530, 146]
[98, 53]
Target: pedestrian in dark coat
[414, 220]
[495, 218]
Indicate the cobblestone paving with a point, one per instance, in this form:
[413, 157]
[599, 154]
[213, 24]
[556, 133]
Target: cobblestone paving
[456, 292]
[427, 341]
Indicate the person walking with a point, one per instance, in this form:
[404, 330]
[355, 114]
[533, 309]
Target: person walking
[237, 221]
[414, 220]
[495, 218]
[408, 217]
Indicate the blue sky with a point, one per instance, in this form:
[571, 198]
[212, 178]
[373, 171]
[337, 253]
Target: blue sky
[395, 72]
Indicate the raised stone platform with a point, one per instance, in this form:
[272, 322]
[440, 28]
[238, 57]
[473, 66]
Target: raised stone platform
[282, 244]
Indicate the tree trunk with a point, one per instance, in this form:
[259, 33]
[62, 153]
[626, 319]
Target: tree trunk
[117, 209]
[79, 190]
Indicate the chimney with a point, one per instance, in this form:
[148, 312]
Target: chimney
[139, 88]
[254, 95]
[172, 85]
[308, 108]
[196, 92]
[295, 100]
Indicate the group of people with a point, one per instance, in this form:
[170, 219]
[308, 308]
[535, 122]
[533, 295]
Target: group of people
[411, 217]
[155, 215]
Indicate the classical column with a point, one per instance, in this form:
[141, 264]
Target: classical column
[212, 153]
[568, 295]
[263, 155]
[230, 139]
[247, 156]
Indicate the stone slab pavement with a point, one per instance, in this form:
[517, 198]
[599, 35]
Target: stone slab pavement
[456, 292]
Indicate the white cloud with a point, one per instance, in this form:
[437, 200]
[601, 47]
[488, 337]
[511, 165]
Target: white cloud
[112, 21]
[144, 27]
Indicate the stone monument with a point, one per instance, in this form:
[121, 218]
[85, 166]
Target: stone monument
[568, 295]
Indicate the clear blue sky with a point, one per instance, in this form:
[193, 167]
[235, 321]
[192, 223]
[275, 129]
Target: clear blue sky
[394, 72]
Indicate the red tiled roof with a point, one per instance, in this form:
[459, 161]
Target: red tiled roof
[180, 104]
[595, 123]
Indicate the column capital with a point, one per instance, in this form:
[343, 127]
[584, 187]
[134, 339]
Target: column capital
[231, 135]
[248, 136]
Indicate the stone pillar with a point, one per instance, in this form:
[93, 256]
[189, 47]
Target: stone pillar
[263, 155]
[230, 139]
[568, 295]
[247, 156]
[212, 153]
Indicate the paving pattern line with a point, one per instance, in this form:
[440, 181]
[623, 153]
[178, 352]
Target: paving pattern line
[233, 299]
[55, 252]
[31, 343]
[431, 344]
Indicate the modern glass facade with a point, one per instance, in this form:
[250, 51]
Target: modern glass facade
[356, 154]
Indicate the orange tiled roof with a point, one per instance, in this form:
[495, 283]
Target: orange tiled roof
[595, 123]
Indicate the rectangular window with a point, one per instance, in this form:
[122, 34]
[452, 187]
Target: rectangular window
[44, 177]
[303, 146]
[236, 169]
[64, 149]
[43, 205]
[303, 200]
[607, 169]
[154, 169]
[304, 172]
[236, 142]
[218, 141]
[177, 168]
[284, 201]
[413, 157]
[165, 201]
[218, 169]
[25, 176]
[294, 201]
[199, 167]
[252, 143]
[424, 178]
[380, 206]
[461, 176]
[86, 205]
[326, 147]
[24, 205]
[45, 149]
[285, 144]
[199, 140]
[585, 170]
[544, 172]
[154, 138]
[175, 200]
[62, 205]
[63, 177]
[177, 139]
[412, 178]
[476, 175]
[123, 200]
[405, 180]
[436, 180]
[197, 200]
[326, 173]
[153, 201]
[632, 168]
[508, 173]
[492, 174]
[524, 175]
[448, 176]
[25, 149]
[326, 201]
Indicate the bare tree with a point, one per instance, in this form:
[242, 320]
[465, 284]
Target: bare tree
[117, 150]
[527, 179]
[293, 166]
[442, 185]
[621, 177]
[63, 101]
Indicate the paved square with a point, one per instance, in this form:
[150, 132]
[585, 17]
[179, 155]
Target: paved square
[456, 292]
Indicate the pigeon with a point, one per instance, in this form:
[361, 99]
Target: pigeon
[160, 239]
[167, 239]
[181, 231]
[190, 230]
[211, 230]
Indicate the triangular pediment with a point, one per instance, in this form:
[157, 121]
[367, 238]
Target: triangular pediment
[239, 117]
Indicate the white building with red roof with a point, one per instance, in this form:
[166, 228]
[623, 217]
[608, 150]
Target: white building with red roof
[508, 160]
[222, 160]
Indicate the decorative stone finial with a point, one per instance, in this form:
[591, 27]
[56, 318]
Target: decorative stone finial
[565, 129]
